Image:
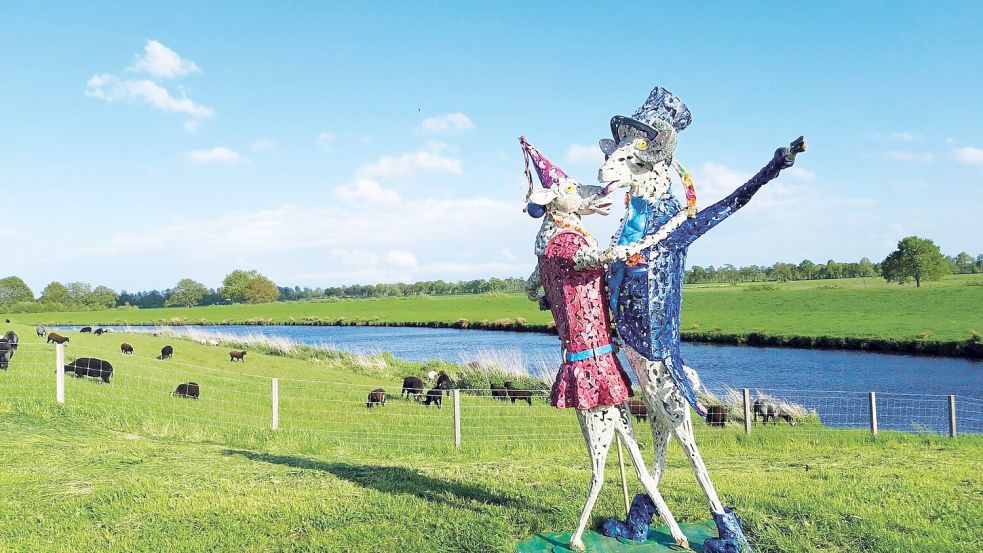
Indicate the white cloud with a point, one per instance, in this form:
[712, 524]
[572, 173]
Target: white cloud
[400, 258]
[160, 61]
[799, 173]
[219, 154]
[591, 155]
[447, 123]
[904, 155]
[264, 145]
[111, 88]
[408, 165]
[367, 191]
[969, 156]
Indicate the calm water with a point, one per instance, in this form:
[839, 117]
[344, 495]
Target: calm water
[911, 389]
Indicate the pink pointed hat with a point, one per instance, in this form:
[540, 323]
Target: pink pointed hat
[549, 174]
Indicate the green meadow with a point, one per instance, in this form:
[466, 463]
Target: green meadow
[128, 467]
[948, 311]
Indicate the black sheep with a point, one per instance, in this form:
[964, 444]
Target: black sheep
[187, 390]
[412, 386]
[98, 331]
[12, 338]
[376, 397]
[444, 382]
[434, 396]
[768, 409]
[638, 409]
[498, 392]
[717, 415]
[126, 348]
[6, 354]
[85, 330]
[521, 395]
[87, 366]
[57, 338]
[166, 352]
[237, 356]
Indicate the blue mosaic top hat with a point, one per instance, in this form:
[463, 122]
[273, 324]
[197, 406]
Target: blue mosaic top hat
[661, 112]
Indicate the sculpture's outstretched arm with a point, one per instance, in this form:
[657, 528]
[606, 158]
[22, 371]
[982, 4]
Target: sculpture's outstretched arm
[710, 217]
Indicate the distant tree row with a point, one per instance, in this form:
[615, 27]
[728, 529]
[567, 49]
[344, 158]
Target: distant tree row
[916, 259]
[915, 251]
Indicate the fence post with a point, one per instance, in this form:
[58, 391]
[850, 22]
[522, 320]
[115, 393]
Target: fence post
[275, 397]
[60, 373]
[952, 416]
[747, 411]
[873, 413]
[457, 418]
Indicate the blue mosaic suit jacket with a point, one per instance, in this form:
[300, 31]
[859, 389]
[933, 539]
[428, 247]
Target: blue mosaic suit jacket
[646, 298]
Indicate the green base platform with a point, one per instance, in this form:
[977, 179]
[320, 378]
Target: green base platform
[659, 540]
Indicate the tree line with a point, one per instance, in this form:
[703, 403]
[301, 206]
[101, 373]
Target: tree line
[916, 259]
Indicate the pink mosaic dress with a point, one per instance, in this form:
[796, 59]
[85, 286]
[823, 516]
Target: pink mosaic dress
[579, 304]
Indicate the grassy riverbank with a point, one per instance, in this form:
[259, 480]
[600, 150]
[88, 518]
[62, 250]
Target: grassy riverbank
[128, 467]
[940, 318]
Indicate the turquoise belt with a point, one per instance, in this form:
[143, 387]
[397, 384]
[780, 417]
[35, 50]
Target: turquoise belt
[569, 357]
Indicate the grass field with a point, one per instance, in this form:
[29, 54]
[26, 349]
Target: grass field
[948, 311]
[127, 467]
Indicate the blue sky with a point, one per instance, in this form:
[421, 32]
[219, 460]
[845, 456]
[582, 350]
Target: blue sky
[333, 144]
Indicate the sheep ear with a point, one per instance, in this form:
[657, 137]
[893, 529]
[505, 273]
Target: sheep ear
[543, 196]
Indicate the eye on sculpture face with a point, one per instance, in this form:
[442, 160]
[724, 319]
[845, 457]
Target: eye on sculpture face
[637, 154]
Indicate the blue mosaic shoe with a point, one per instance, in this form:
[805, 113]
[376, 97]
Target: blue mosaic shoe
[636, 528]
[731, 532]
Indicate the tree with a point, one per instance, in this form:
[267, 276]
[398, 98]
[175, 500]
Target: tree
[14, 290]
[260, 290]
[916, 258]
[55, 292]
[866, 268]
[963, 263]
[187, 293]
[103, 297]
[234, 284]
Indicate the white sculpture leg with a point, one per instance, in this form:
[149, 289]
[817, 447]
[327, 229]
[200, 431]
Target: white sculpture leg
[668, 411]
[599, 426]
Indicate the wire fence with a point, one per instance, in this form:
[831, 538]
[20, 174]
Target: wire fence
[165, 395]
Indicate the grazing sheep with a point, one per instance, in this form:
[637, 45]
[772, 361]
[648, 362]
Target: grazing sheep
[6, 354]
[57, 338]
[521, 395]
[189, 390]
[87, 366]
[444, 382]
[768, 409]
[717, 415]
[86, 330]
[432, 376]
[213, 342]
[376, 397]
[99, 331]
[12, 338]
[434, 396]
[8, 321]
[166, 352]
[237, 356]
[41, 330]
[638, 408]
[412, 386]
[126, 348]
[499, 392]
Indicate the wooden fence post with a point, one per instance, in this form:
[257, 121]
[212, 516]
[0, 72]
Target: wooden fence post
[873, 413]
[60, 373]
[747, 411]
[952, 416]
[457, 418]
[275, 397]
